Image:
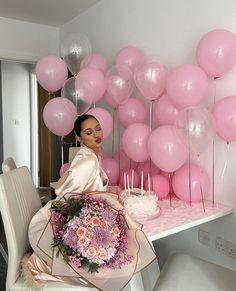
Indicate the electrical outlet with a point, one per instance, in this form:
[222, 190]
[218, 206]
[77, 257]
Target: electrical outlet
[204, 237]
[225, 247]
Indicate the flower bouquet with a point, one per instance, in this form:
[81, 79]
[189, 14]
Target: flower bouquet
[94, 242]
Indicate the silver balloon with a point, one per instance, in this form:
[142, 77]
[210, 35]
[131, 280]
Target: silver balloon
[68, 91]
[74, 48]
[195, 127]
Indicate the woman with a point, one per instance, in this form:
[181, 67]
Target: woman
[84, 175]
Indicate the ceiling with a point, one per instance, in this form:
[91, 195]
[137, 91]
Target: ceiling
[47, 12]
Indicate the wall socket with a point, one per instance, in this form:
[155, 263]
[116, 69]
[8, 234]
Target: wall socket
[225, 247]
[204, 237]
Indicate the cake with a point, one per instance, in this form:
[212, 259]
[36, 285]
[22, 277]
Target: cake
[141, 205]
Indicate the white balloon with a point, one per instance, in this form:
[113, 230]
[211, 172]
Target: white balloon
[195, 127]
[68, 91]
[74, 48]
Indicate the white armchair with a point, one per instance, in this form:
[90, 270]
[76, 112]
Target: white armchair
[19, 201]
[8, 165]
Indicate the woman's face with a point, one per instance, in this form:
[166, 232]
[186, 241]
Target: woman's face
[91, 134]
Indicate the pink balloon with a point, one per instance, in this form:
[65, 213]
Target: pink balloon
[150, 79]
[187, 85]
[59, 115]
[134, 141]
[146, 169]
[165, 149]
[136, 182]
[111, 168]
[224, 112]
[216, 52]
[160, 185]
[133, 111]
[129, 56]
[51, 73]
[165, 112]
[125, 162]
[199, 185]
[64, 168]
[90, 83]
[120, 84]
[110, 100]
[95, 61]
[104, 118]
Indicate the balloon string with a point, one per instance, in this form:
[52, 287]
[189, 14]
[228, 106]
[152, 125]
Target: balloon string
[51, 94]
[203, 204]
[213, 173]
[119, 146]
[189, 177]
[76, 102]
[226, 161]
[150, 113]
[214, 92]
[62, 152]
[170, 181]
[113, 132]
[213, 152]
[150, 125]
[189, 165]
[150, 167]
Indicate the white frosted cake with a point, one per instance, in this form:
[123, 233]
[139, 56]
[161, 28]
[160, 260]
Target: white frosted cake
[140, 205]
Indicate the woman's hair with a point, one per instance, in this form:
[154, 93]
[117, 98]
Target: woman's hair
[80, 119]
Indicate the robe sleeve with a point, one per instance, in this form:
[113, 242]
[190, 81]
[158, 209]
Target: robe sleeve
[81, 176]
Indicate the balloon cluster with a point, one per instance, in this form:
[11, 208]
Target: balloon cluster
[183, 125]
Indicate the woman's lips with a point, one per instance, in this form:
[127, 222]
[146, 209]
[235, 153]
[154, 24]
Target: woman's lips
[98, 140]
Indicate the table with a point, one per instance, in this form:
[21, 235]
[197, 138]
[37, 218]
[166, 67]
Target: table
[176, 216]
[179, 215]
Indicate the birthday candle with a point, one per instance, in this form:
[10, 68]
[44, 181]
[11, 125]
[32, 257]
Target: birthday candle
[132, 179]
[149, 184]
[125, 181]
[142, 183]
[128, 184]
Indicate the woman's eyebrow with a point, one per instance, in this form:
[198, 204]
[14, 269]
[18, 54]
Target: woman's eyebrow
[87, 129]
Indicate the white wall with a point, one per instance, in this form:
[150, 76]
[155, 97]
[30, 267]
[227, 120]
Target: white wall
[16, 112]
[26, 41]
[22, 42]
[170, 30]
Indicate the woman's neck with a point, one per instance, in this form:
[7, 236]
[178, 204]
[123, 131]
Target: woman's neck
[95, 150]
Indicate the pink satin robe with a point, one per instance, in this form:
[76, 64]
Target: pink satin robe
[84, 175]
